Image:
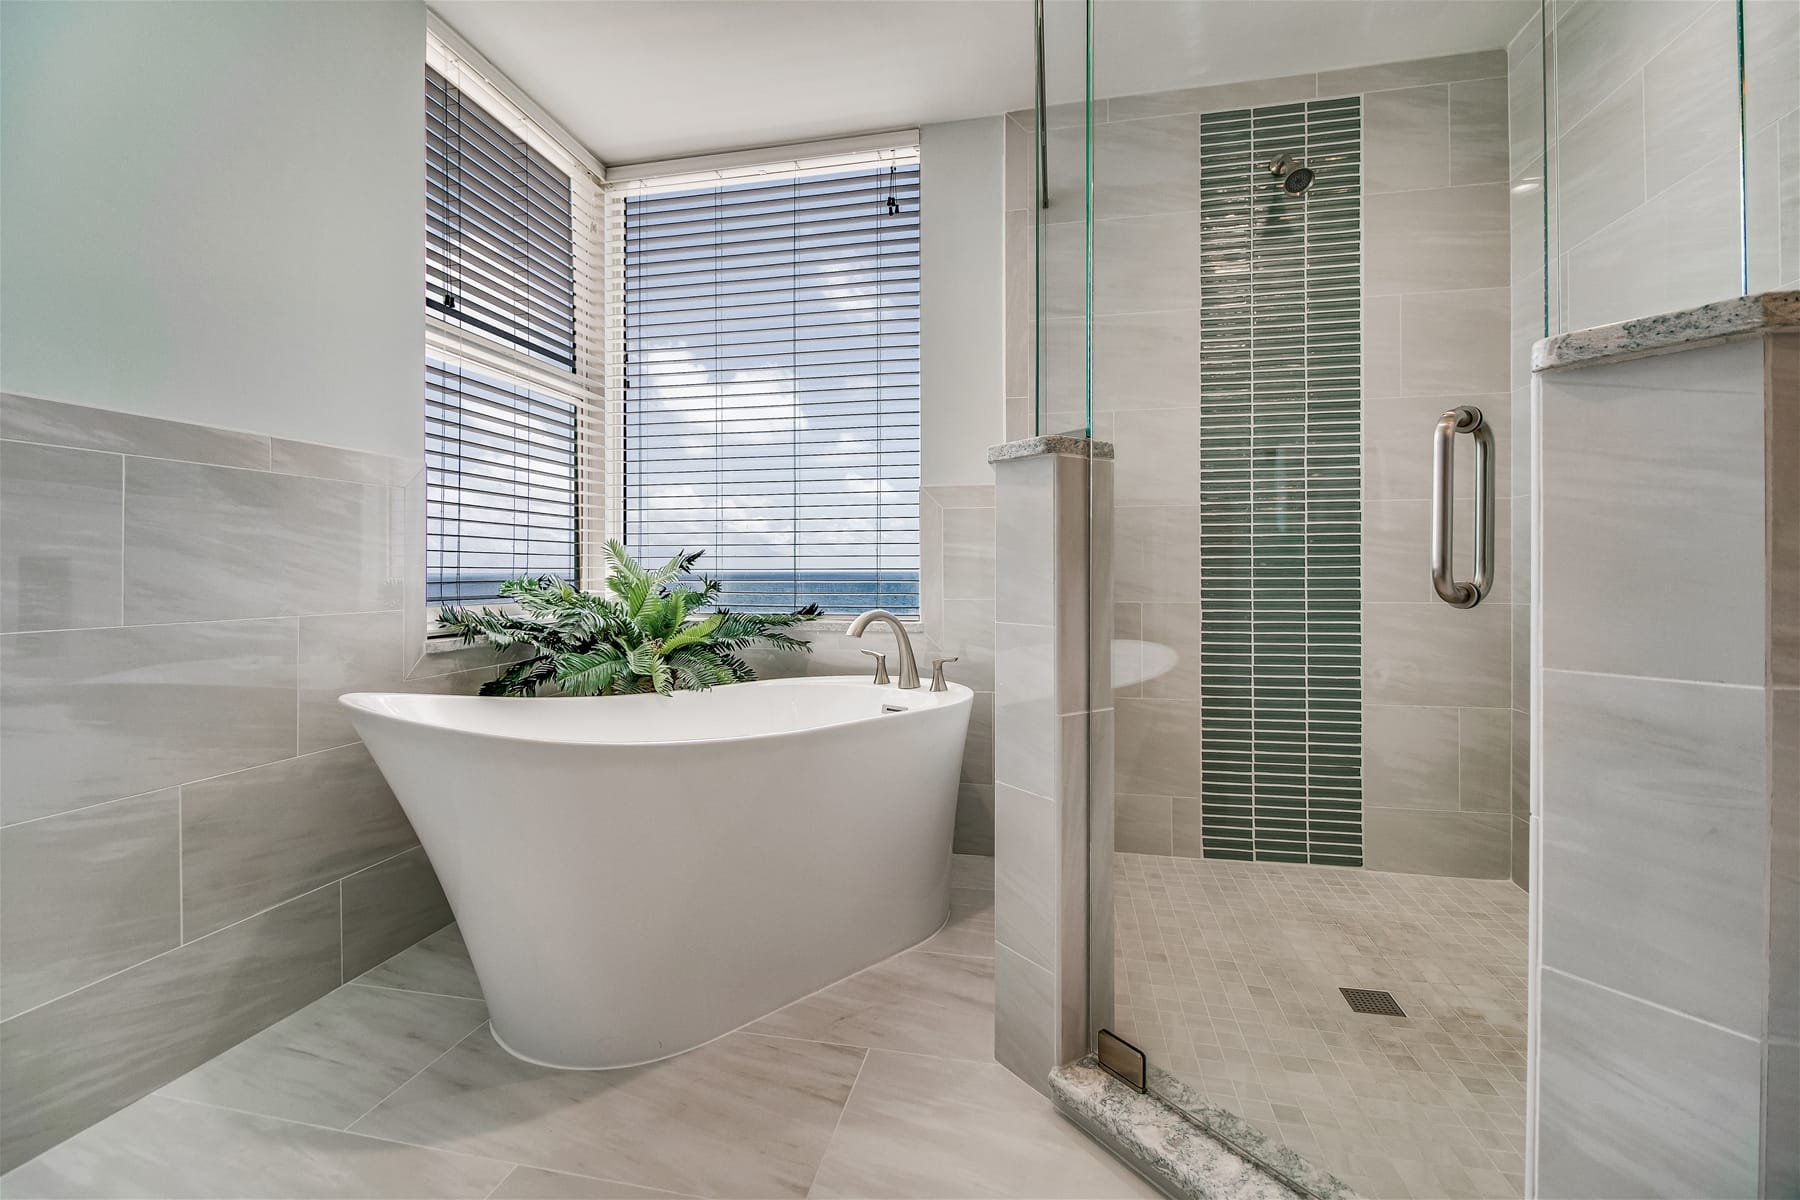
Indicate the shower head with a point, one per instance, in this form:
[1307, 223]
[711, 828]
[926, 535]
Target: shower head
[1294, 177]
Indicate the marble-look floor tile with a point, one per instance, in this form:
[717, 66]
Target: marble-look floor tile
[439, 964]
[743, 1116]
[335, 1059]
[970, 929]
[85, 894]
[535, 1183]
[926, 1127]
[160, 1147]
[919, 1002]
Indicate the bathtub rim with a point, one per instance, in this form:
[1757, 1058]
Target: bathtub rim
[954, 694]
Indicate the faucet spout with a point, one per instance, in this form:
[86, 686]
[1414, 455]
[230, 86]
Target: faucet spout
[909, 666]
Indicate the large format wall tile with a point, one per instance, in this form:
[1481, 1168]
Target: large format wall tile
[212, 543]
[73, 1061]
[1614, 1121]
[351, 652]
[1433, 654]
[59, 537]
[28, 419]
[388, 907]
[1436, 240]
[1409, 757]
[1421, 842]
[1600, 45]
[1687, 498]
[1478, 131]
[1407, 143]
[85, 894]
[254, 838]
[1655, 842]
[1417, 72]
[97, 714]
[1600, 165]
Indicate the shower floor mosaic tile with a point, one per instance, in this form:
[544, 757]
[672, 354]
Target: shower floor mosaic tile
[1228, 976]
[393, 1086]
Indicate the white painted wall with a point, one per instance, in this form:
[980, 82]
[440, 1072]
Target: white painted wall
[961, 334]
[213, 213]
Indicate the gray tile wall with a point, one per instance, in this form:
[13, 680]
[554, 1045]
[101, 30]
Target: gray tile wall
[956, 618]
[1668, 790]
[1052, 763]
[1439, 683]
[192, 841]
[1644, 125]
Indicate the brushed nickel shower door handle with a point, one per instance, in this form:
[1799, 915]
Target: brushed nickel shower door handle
[1467, 419]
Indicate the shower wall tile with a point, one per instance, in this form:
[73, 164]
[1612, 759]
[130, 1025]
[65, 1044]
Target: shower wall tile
[1025, 901]
[1147, 360]
[1692, 101]
[1407, 143]
[1144, 167]
[166, 782]
[88, 1054]
[253, 839]
[1432, 654]
[1484, 758]
[388, 907]
[97, 714]
[1381, 346]
[1602, 45]
[1424, 842]
[1607, 1109]
[1145, 264]
[85, 894]
[1163, 448]
[1281, 90]
[1478, 131]
[1144, 824]
[1410, 757]
[1686, 495]
[1397, 445]
[1171, 629]
[1521, 853]
[1438, 240]
[1158, 747]
[1480, 64]
[78, 426]
[1157, 553]
[1601, 166]
[1455, 343]
[1655, 842]
[59, 537]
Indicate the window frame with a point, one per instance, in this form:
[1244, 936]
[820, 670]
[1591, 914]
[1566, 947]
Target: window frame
[823, 157]
[585, 385]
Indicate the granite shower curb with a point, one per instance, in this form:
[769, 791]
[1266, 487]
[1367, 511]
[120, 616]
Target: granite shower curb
[1168, 1136]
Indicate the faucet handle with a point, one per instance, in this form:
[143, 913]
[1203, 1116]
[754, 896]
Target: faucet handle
[881, 675]
[937, 673]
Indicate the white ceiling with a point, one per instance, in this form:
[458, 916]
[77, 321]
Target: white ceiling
[637, 80]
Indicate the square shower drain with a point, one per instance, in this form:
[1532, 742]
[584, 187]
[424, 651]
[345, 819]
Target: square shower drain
[1363, 1000]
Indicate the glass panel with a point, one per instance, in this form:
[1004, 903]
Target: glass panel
[1647, 168]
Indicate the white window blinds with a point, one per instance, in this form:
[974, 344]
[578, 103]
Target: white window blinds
[768, 385]
[512, 383]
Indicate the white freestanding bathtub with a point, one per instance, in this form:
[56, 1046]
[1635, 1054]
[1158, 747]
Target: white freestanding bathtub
[637, 875]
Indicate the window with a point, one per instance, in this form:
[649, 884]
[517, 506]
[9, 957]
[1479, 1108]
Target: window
[511, 386]
[768, 392]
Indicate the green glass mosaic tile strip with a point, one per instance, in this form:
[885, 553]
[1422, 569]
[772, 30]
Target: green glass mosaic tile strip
[1281, 486]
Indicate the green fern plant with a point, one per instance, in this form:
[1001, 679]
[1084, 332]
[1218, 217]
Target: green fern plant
[642, 637]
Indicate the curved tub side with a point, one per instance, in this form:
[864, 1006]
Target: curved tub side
[623, 904]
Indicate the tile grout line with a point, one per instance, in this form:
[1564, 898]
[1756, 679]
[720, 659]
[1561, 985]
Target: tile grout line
[372, 1137]
[839, 1123]
[434, 1062]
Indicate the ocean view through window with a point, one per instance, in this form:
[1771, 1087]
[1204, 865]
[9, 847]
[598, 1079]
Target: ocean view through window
[769, 399]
